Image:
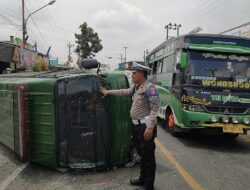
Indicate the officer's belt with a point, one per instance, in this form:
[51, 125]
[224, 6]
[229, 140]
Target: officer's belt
[138, 121]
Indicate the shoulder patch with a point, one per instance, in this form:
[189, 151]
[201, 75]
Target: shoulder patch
[152, 90]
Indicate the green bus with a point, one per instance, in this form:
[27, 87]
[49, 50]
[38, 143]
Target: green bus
[203, 82]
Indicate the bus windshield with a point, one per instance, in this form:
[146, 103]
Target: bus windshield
[218, 65]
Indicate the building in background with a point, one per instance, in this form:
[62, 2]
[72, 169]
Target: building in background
[54, 65]
[7, 58]
[14, 58]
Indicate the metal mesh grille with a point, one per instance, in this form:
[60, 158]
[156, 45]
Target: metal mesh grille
[227, 110]
[82, 122]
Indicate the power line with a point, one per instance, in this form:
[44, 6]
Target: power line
[58, 18]
[43, 39]
[10, 11]
[9, 21]
[245, 24]
[212, 6]
[35, 25]
[6, 13]
[2, 22]
[53, 26]
[6, 8]
[52, 22]
[19, 11]
[197, 9]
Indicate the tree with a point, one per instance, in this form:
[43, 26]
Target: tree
[88, 42]
[78, 63]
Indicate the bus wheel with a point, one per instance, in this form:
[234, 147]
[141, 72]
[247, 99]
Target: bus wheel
[170, 124]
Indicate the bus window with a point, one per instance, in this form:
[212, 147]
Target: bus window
[176, 79]
[159, 67]
[154, 68]
[248, 73]
[164, 66]
[168, 64]
[151, 67]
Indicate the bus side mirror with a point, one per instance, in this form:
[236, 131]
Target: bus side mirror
[184, 60]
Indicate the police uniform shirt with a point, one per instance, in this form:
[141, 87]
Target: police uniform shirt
[145, 102]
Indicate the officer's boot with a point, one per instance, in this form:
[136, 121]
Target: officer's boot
[137, 182]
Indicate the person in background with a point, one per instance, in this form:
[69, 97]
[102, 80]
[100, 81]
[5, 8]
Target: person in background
[143, 113]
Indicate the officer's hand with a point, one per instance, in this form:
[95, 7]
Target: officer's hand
[148, 134]
[104, 91]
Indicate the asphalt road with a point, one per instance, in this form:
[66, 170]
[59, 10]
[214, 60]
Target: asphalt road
[191, 162]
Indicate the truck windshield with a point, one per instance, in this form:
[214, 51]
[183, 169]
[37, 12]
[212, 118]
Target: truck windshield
[218, 65]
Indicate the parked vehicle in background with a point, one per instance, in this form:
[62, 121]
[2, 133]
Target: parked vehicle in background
[129, 74]
[203, 82]
[105, 67]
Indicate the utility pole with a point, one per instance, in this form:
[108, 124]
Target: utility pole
[24, 20]
[174, 27]
[121, 57]
[178, 27]
[145, 54]
[125, 54]
[69, 45]
[23, 23]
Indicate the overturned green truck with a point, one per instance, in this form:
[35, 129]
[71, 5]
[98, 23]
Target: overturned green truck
[59, 119]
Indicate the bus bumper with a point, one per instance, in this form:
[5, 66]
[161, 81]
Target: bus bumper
[238, 124]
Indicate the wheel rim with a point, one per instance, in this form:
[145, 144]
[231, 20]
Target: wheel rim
[171, 121]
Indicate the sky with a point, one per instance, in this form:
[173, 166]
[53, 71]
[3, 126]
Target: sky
[138, 25]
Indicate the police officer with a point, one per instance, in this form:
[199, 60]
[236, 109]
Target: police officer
[143, 113]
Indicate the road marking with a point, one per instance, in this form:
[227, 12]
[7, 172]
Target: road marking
[12, 176]
[184, 173]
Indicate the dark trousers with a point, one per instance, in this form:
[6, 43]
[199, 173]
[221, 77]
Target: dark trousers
[146, 149]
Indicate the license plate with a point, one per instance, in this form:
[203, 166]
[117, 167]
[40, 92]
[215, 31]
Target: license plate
[232, 129]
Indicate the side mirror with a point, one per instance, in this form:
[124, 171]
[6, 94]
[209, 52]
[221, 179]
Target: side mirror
[184, 60]
[90, 63]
